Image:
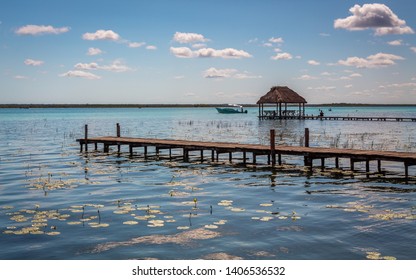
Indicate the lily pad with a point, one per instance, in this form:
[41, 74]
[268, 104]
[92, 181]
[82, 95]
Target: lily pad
[130, 223]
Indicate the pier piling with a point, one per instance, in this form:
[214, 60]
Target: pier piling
[309, 153]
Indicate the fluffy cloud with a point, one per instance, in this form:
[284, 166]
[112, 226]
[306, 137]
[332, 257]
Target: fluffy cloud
[313, 62]
[94, 51]
[276, 40]
[186, 38]
[184, 52]
[151, 48]
[33, 62]
[282, 56]
[376, 16]
[307, 78]
[80, 74]
[101, 35]
[413, 49]
[218, 73]
[322, 88]
[87, 66]
[395, 43]
[117, 66]
[373, 61]
[40, 30]
[213, 73]
[136, 44]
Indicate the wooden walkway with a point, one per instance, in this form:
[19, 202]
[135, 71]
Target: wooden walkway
[337, 118]
[273, 153]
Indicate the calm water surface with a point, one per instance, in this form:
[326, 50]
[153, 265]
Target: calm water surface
[58, 203]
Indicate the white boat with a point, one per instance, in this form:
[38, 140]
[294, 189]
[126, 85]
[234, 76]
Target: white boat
[231, 109]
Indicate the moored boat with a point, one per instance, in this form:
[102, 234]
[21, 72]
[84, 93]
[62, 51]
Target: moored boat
[231, 109]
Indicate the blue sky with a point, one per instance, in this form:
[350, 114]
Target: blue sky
[206, 51]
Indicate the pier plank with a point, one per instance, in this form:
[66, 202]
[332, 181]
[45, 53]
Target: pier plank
[310, 153]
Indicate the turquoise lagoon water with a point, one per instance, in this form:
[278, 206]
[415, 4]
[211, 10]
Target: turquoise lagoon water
[58, 203]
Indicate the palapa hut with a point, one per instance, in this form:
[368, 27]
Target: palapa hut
[281, 96]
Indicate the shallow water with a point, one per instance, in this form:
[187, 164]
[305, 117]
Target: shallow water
[58, 203]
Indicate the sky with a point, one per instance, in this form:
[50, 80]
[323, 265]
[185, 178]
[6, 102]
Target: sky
[217, 51]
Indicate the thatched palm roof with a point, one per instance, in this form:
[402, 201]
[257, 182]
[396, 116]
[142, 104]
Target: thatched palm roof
[281, 95]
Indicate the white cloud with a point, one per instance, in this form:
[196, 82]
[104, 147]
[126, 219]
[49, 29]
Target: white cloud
[186, 38]
[348, 86]
[324, 34]
[373, 61]
[117, 66]
[356, 75]
[33, 62]
[151, 48]
[282, 56]
[136, 44]
[218, 73]
[375, 16]
[313, 62]
[327, 74]
[80, 74]
[184, 52]
[323, 88]
[395, 43]
[413, 49]
[401, 85]
[40, 30]
[101, 35]
[20, 77]
[307, 78]
[94, 51]
[87, 66]
[214, 73]
[276, 40]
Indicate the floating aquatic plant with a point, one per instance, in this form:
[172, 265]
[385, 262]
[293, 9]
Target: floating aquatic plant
[378, 256]
[182, 227]
[211, 226]
[130, 223]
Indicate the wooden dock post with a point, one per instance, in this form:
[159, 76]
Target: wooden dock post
[307, 160]
[273, 146]
[118, 135]
[86, 137]
[406, 171]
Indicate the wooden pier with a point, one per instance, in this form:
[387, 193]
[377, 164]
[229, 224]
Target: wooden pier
[274, 153]
[274, 116]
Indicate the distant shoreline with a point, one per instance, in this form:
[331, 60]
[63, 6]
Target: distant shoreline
[28, 106]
